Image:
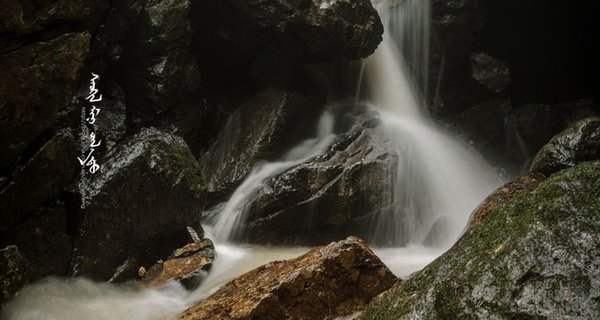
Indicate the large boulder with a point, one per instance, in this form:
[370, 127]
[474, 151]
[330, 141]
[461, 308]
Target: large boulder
[135, 210]
[269, 42]
[534, 257]
[261, 128]
[36, 89]
[306, 30]
[327, 282]
[327, 197]
[45, 176]
[580, 142]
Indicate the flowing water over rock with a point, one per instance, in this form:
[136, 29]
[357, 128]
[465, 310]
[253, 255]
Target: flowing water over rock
[438, 180]
[436, 183]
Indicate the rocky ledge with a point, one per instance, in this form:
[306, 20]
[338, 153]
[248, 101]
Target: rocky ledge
[535, 257]
[327, 282]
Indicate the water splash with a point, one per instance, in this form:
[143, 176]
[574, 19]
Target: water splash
[230, 216]
[75, 299]
[439, 180]
[436, 184]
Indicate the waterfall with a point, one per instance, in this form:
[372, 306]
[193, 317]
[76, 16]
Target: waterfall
[230, 215]
[438, 179]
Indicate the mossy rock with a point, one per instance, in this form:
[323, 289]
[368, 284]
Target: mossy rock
[580, 142]
[537, 256]
[135, 210]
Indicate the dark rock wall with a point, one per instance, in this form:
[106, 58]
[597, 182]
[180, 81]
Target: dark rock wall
[181, 81]
[196, 92]
[530, 63]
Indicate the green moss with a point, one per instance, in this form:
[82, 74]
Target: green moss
[569, 195]
[190, 165]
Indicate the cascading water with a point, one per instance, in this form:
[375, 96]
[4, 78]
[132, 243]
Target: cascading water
[436, 183]
[438, 180]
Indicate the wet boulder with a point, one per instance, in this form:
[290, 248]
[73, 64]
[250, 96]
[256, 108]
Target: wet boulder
[580, 142]
[186, 264]
[28, 16]
[161, 25]
[262, 127]
[156, 83]
[531, 126]
[327, 197]
[327, 282]
[523, 184]
[136, 208]
[36, 89]
[45, 176]
[304, 30]
[154, 65]
[535, 256]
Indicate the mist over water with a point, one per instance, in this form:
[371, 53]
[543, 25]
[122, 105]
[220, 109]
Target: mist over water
[435, 185]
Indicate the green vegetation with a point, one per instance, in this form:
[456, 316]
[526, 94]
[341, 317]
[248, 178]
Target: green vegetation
[488, 269]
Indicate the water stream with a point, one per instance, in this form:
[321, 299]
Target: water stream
[437, 183]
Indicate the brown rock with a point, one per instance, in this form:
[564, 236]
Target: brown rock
[327, 282]
[183, 264]
[522, 184]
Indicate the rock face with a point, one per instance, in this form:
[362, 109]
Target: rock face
[485, 122]
[489, 72]
[43, 240]
[45, 176]
[529, 127]
[161, 25]
[156, 83]
[523, 184]
[32, 16]
[534, 257]
[305, 30]
[26, 110]
[16, 271]
[325, 283]
[455, 29]
[580, 142]
[157, 177]
[184, 264]
[331, 195]
[262, 128]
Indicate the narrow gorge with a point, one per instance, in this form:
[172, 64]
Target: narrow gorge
[304, 159]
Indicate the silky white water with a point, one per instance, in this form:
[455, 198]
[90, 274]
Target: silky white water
[438, 181]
